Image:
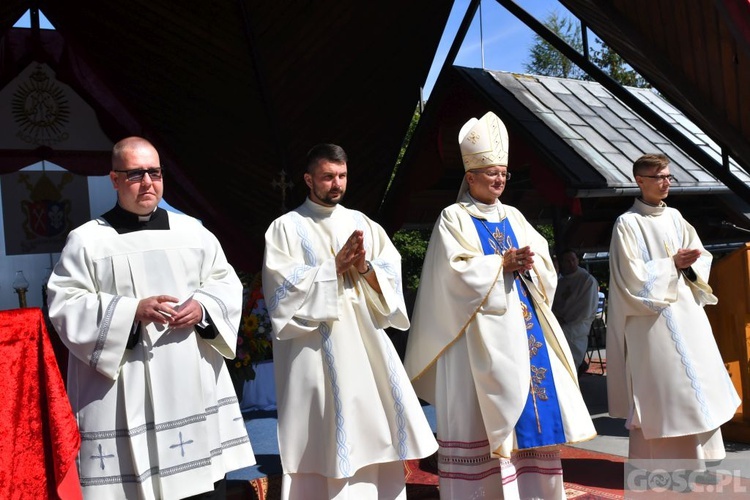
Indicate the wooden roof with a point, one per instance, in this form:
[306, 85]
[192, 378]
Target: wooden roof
[233, 92]
[607, 135]
[695, 52]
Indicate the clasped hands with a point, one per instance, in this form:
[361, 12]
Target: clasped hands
[520, 259]
[352, 254]
[686, 257]
[166, 310]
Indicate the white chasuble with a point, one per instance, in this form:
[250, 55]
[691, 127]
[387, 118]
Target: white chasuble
[471, 355]
[160, 420]
[464, 292]
[664, 370]
[344, 400]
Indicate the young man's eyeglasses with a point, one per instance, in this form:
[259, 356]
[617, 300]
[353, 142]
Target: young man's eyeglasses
[660, 178]
[136, 175]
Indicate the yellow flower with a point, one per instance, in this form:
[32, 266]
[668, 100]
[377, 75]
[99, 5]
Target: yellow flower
[251, 323]
[253, 339]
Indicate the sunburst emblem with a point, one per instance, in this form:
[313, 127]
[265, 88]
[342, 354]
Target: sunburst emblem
[41, 110]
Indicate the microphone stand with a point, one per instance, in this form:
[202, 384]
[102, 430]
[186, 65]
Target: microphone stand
[729, 224]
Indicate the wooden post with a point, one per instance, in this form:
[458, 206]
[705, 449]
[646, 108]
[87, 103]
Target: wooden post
[730, 321]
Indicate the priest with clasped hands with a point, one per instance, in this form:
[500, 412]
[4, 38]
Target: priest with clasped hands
[485, 348]
[347, 415]
[149, 309]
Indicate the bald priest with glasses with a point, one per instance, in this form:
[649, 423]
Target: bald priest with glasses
[665, 374]
[149, 309]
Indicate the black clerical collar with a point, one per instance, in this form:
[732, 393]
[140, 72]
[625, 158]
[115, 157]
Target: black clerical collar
[127, 222]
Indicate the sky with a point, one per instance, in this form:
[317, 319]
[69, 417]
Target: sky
[25, 21]
[504, 40]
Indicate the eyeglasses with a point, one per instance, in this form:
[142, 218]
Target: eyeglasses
[492, 174]
[136, 175]
[661, 178]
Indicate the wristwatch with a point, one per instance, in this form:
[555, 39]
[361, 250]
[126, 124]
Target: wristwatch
[368, 270]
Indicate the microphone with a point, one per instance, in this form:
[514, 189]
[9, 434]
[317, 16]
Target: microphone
[725, 223]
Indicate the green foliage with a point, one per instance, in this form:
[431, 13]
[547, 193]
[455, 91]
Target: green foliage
[405, 145]
[412, 245]
[546, 60]
[548, 232]
[409, 133]
[615, 66]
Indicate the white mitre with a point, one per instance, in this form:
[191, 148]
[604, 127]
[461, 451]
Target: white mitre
[483, 143]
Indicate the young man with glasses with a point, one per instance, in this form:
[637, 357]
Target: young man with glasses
[665, 374]
[149, 309]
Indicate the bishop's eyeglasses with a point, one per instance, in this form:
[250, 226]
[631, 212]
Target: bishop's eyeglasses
[136, 175]
[492, 174]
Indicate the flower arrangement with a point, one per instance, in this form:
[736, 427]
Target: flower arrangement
[254, 336]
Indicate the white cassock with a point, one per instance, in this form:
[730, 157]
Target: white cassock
[664, 371]
[574, 306]
[470, 354]
[160, 420]
[348, 415]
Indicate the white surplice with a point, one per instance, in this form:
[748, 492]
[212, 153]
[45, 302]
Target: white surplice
[468, 354]
[344, 400]
[576, 299]
[664, 370]
[160, 420]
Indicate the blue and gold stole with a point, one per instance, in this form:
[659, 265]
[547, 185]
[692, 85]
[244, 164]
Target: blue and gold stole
[540, 423]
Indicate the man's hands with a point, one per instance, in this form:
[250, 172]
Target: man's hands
[163, 309]
[686, 257]
[352, 254]
[521, 259]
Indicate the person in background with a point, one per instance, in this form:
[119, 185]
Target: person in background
[575, 303]
[485, 348]
[665, 374]
[556, 265]
[149, 309]
[347, 415]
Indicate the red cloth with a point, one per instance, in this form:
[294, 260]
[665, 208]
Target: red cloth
[39, 437]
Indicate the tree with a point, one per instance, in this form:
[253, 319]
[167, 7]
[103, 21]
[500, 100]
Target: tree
[546, 60]
[615, 66]
[412, 245]
[409, 133]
